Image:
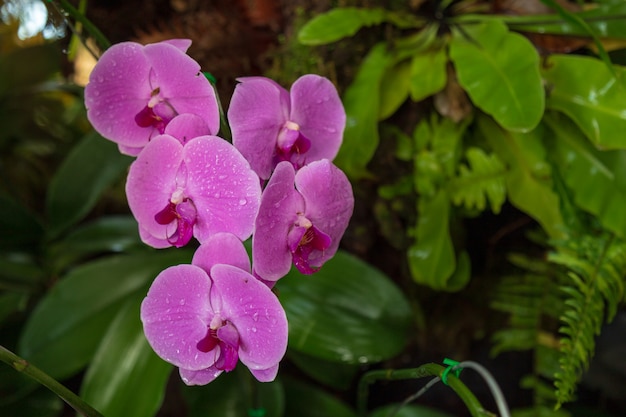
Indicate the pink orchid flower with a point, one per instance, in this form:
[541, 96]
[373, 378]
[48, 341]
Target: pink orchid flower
[203, 187]
[134, 91]
[206, 316]
[301, 224]
[270, 124]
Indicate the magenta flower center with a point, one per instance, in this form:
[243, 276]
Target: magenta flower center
[182, 211]
[158, 119]
[291, 143]
[305, 239]
[222, 334]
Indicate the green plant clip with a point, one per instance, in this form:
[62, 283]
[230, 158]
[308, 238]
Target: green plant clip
[256, 412]
[451, 364]
[209, 77]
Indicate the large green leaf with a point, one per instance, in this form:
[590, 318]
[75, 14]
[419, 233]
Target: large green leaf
[362, 103]
[499, 70]
[66, 327]
[346, 21]
[305, 400]
[431, 258]
[235, 394]
[20, 228]
[92, 166]
[126, 378]
[428, 72]
[41, 403]
[528, 180]
[105, 234]
[606, 21]
[346, 312]
[408, 411]
[585, 90]
[24, 67]
[596, 178]
[337, 375]
[394, 88]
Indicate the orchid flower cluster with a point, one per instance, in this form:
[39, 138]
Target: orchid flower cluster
[275, 183]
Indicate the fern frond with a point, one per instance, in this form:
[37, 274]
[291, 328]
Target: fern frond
[596, 268]
[534, 303]
[483, 179]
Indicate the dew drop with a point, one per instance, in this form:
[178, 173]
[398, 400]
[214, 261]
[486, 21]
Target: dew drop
[182, 302]
[253, 329]
[243, 202]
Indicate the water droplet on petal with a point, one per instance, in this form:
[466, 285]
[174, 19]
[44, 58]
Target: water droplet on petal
[182, 302]
[242, 202]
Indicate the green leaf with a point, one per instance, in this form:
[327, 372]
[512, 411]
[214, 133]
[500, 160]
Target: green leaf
[394, 88]
[23, 68]
[305, 400]
[606, 21]
[41, 403]
[125, 377]
[429, 72]
[332, 374]
[499, 70]
[596, 178]
[346, 312]
[484, 179]
[362, 103]
[431, 258]
[105, 234]
[91, 167]
[20, 228]
[66, 327]
[585, 90]
[338, 23]
[408, 411]
[528, 180]
[342, 22]
[235, 394]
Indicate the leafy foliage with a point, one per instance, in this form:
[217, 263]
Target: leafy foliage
[544, 136]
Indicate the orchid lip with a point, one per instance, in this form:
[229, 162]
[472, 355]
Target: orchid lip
[303, 240]
[184, 213]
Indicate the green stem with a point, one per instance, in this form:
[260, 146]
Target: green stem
[100, 39]
[21, 365]
[429, 369]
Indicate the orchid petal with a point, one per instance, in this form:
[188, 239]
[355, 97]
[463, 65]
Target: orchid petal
[187, 126]
[258, 110]
[318, 110]
[182, 83]
[329, 203]
[225, 191]
[201, 377]
[256, 313]
[280, 203]
[182, 44]
[118, 89]
[265, 375]
[222, 248]
[151, 182]
[176, 314]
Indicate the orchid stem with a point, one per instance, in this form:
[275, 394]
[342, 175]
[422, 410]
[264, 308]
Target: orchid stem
[23, 366]
[426, 370]
[99, 37]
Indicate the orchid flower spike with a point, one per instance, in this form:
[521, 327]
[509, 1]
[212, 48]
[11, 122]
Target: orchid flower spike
[134, 91]
[270, 124]
[203, 187]
[304, 224]
[206, 316]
